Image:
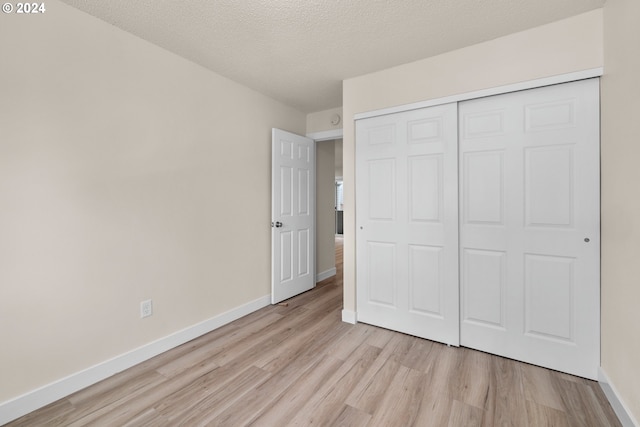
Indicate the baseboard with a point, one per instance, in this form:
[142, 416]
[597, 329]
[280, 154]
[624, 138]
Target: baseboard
[618, 405]
[325, 274]
[349, 316]
[38, 398]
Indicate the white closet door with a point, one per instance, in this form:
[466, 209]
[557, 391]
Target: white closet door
[529, 226]
[407, 222]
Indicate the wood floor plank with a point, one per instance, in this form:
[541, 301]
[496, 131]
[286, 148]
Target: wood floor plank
[284, 409]
[255, 401]
[543, 416]
[472, 380]
[150, 417]
[581, 404]
[370, 396]
[111, 398]
[348, 342]
[290, 349]
[133, 406]
[434, 412]
[215, 347]
[379, 337]
[388, 350]
[464, 415]
[324, 407]
[417, 356]
[539, 386]
[205, 410]
[401, 402]
[505, 396]
[275, 332]
[438, 394]
[351, 417]
[298, 364]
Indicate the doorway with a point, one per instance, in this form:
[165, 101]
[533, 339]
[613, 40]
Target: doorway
[328, 171]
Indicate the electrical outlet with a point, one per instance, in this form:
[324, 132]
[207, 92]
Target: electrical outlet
[146, 308]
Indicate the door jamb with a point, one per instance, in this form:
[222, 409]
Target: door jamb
[327, 135]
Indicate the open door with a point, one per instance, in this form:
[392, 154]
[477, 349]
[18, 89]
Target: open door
[293, 195]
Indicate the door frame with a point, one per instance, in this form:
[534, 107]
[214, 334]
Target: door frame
[318, 137]
[322, 136]
[326, 135]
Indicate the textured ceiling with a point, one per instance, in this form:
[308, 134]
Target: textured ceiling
[299, 51]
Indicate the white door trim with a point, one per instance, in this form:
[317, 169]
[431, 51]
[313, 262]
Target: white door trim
[325, 135]
[498, 90]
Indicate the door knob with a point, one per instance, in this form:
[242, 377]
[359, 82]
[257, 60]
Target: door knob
[278, 224]
[586, 239]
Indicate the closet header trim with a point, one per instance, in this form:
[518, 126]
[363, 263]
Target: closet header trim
[498, 90]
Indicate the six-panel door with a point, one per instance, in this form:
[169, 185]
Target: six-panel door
[519, 182]
[529, 226]
[407, 223]
[293, 215]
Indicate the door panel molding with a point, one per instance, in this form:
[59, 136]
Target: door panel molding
[407, 234]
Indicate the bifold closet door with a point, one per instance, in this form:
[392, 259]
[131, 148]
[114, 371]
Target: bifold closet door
[529, 226]
[407, 222]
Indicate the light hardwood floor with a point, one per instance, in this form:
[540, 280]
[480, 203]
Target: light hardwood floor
[300, 365]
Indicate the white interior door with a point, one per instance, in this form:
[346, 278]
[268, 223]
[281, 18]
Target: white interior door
[293, 195]
[407, 222]
[529, 226]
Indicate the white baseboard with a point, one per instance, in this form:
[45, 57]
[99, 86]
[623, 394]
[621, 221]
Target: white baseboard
[38, 398]
[618, 405]
[349, 316]
[325, 274]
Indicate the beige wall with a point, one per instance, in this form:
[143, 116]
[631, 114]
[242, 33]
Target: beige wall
[620, 201]
[338, 144]
[565, 46]
[325, 212]
[126, 173]
[321, 120]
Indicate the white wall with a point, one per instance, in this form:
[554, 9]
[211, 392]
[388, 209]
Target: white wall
[565, 46]
[338, 160]
[126, 173]
[620, 201]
